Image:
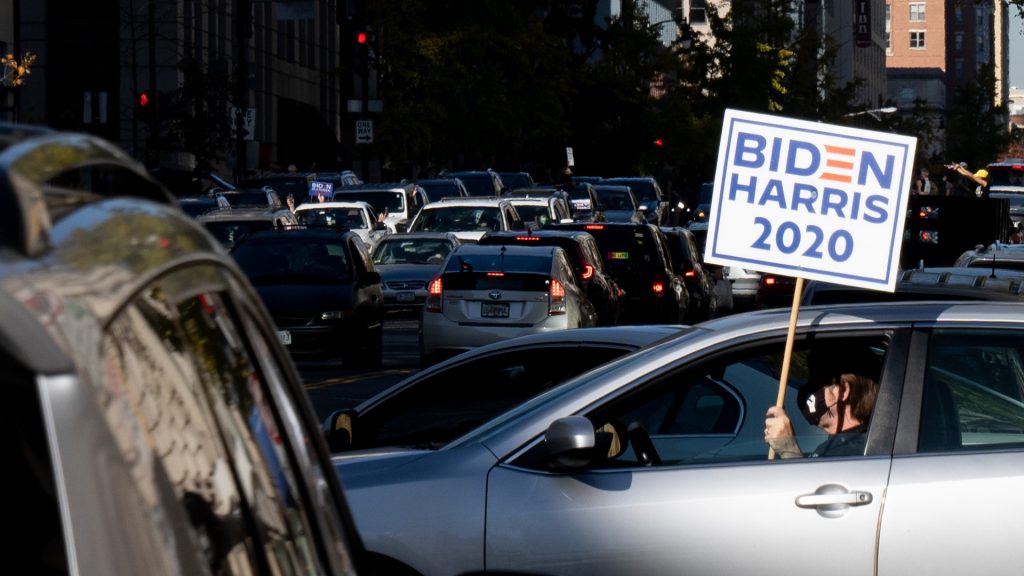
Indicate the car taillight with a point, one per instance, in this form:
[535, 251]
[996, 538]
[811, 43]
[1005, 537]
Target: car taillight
[594, 227]
[434, 296]
[588, 271]
[556, 298]
[690, 273]
[495, 274]
[769, 280]
[527, 238]
[658, 287]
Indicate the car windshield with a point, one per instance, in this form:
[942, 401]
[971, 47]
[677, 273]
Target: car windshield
[478, 184]
[392, 202]
[352, 218]
[615, 200]
[239, 199]
[292, 260]
[534, 213]
[410, 251]
[551, 396]
[458, 219]
[230, 231]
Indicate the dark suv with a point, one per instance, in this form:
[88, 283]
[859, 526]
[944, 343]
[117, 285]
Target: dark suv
[154, 424]
[322, 290]
[585, 257]
[638, 257]
[688, 264]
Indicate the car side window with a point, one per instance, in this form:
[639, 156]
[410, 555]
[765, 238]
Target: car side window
[712, 412]
[180, 379]
[974, 391]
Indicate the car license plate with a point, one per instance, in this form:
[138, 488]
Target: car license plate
[406, 297]
[285, 337]
[494, 310]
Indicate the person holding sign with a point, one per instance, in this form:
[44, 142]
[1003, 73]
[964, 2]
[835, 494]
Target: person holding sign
[838, 398]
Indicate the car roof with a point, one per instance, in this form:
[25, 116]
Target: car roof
[242, 213]
[420, 236]
[937, 283]
[334, 204]
[323, 233]
[467, 201]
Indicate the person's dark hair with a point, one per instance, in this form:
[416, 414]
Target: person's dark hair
[863, 391]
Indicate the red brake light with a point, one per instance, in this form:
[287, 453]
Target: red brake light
[690, 273]
[434, 292]
[556, 300]
[658, 287]
[593, 227]
[588, 271]
[769, 280]
[527, 238]
[495, 274]
[557, 290]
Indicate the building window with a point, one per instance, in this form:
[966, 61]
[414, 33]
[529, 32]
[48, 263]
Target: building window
[959, 14]
[917, 12]
[958, 41]
[958, 69]
[698, 14]
[917, 39]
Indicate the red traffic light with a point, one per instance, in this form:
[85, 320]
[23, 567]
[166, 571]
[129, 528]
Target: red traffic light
[659, 142]
[143, 99]
[361, 38]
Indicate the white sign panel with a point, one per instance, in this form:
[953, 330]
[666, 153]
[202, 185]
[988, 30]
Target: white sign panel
[364, 131]
[810, 200]
[569, 159]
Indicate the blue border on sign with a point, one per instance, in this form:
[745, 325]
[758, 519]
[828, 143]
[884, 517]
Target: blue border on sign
[721, 194]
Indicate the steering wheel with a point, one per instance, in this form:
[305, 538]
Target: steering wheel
[643, 447]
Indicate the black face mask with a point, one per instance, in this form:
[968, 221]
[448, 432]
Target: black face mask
[814, 406]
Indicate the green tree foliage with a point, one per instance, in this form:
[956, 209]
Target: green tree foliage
[976, 130]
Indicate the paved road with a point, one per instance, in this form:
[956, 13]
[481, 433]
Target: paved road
[331, 386]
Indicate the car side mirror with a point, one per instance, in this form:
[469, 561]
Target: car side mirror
[401, 226]
[371, 278]
[570, 443]
[338, 429]
[378, 225]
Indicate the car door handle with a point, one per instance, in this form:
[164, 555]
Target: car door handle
[854, 498]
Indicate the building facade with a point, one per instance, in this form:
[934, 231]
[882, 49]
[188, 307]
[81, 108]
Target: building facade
[259, 92]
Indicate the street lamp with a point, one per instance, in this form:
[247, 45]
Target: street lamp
[875, 113]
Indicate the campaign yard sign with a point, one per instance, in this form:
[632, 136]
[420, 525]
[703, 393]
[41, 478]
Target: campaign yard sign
[810, 200]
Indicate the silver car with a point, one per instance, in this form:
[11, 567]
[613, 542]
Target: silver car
[407, 262]
[488, 293]
[655, 463]
[154, 424]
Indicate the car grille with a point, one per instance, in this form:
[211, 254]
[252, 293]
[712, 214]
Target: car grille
[406, 285]
[283, 318]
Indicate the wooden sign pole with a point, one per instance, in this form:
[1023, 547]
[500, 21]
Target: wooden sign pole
[787, 356]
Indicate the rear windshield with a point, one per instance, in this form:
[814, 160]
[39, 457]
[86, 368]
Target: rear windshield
[353, 218]
[571, 247]
[478, 184]
[1005, 176]
[282, 260]
[458, 219]
[615, 200]
[497, 262]
[297, 187]
[642, 189]
[527, 282]
[626, 247]
[228, 232]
